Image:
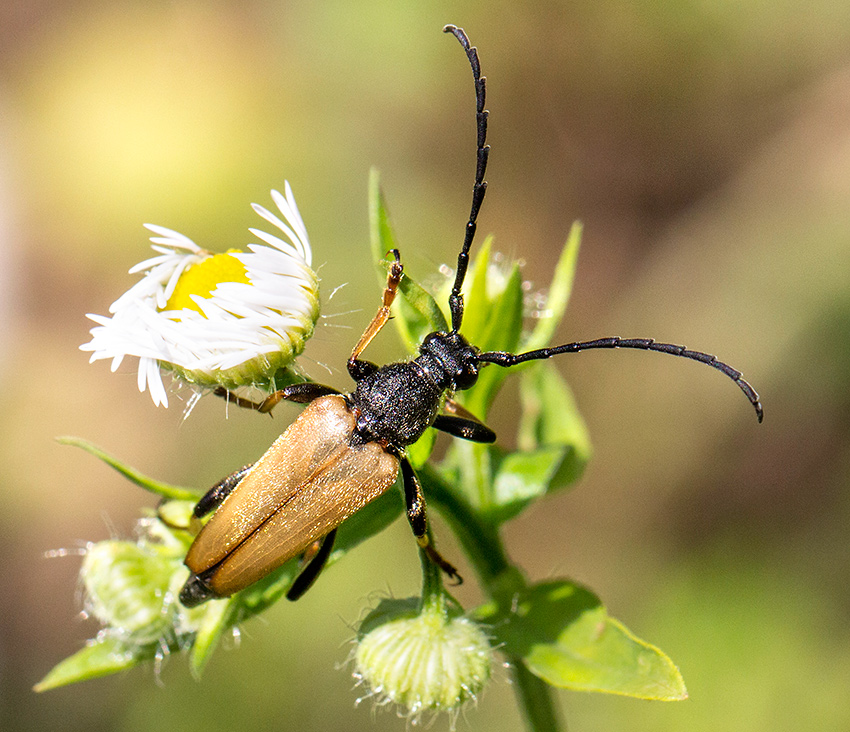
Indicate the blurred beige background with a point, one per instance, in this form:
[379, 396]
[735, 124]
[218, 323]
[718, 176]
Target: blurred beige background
[706, 147]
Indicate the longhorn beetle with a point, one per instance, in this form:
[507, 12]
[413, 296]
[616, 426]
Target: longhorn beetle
[344, 450]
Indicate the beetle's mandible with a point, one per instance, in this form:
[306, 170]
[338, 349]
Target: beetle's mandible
[344, 450]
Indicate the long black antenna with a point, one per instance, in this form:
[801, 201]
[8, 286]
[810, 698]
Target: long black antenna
[503, 358]
[480, 187]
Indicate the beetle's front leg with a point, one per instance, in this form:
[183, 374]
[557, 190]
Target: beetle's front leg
[302, 393]
[357, 368]
[416, 515]
[466, 429]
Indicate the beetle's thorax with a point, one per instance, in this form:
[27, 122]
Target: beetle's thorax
[396, 403]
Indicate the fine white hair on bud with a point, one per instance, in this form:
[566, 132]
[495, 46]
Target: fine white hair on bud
[127, 589]
[232, 319]
[425, 661]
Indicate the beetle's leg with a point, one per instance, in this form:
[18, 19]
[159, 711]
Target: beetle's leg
[214, 496]
[458, 421]
[467, 429]
[308, 575]
[303, 392]
[381, 317]
[418, 520]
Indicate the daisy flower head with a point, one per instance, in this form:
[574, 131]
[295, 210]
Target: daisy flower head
[232, 319]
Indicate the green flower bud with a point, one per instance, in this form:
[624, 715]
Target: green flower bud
[127, 589]
[422, 662]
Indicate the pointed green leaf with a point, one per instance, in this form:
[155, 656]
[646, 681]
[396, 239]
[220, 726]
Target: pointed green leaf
[382, 237]
[504, 324]
[99, 658]
[468, 465]
[478, 305]
[564, 635]
[559, 292]
[550, 418]
[419, 452]
[418, 313]
[219, 616]
[415, 313]
[162, 489]
[521, 477]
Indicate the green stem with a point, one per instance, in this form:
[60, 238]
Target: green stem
[535, 698]
[433, 593]
[502, 581]
[480, 539]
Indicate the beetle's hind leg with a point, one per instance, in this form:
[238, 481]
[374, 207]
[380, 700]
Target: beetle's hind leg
[418, 520]
[304, 581]
[357, 368]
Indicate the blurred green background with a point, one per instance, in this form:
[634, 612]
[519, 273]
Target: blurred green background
[706, 147]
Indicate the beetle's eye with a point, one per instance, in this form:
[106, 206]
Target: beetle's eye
[467, 376]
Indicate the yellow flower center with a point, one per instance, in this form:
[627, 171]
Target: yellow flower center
[202, 278]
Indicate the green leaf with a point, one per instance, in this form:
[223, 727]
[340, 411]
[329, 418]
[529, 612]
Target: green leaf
[504, 324]
[477, 304]
[381, 235]
[559, 292]
[419, 452]
[469, 467]
[415, 313]
[520, 477]
[219, 616]
[161, 489]
[564, 635]
[550, 418]
[100, 658]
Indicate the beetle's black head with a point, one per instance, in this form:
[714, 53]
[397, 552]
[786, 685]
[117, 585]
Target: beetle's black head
[455, 357]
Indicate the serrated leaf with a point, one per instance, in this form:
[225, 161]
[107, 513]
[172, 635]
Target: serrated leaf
[99, 658]
[564, 635]
[154, 486]
[550, 418]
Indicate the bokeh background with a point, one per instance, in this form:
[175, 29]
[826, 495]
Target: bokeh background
[706, 147]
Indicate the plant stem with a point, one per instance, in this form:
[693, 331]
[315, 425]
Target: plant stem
[502, 580]
[535, 698]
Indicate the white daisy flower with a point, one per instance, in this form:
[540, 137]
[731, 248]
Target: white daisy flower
[230, 320]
